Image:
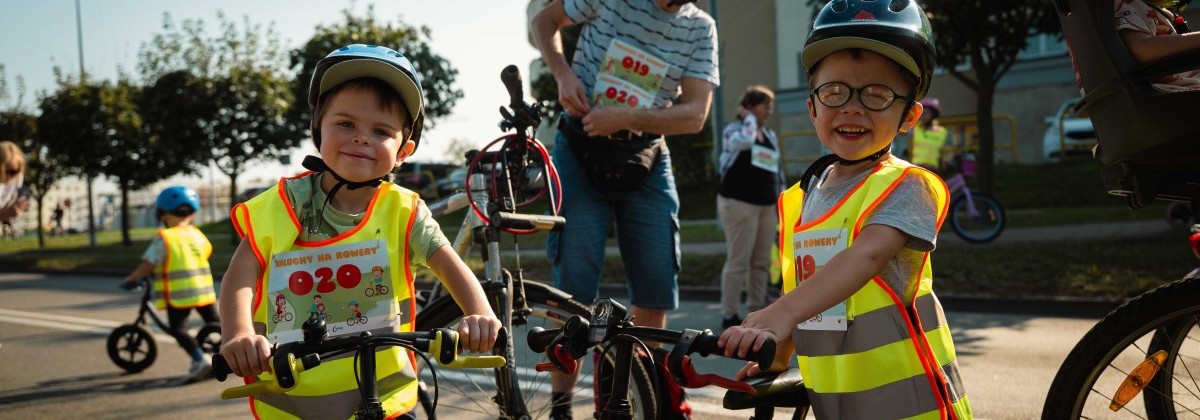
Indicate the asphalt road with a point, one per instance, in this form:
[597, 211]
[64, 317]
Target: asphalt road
[53, 363]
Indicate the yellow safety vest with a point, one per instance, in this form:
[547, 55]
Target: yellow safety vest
[330, 390]
[927, 146]
[891, 359]
[184, 278]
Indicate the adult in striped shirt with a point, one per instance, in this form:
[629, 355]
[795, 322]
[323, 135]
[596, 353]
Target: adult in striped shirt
[641, 69]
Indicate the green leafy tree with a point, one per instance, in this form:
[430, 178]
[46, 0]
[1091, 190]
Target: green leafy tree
[457, 149]
[94, 129]
[74, 127]
[437, 74]
[239, 93]
[978, 43]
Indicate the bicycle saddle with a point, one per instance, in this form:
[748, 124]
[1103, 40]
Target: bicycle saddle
[775, 389]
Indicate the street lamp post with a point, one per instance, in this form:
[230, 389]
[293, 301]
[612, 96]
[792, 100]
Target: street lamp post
[82, 79]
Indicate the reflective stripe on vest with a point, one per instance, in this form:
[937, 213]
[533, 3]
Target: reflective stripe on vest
[927, 146]
[330, 390]
[893, 360]
[183, 277]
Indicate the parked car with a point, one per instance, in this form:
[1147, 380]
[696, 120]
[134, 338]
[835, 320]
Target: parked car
[454, 181]
[1076, 137]
[249, 193]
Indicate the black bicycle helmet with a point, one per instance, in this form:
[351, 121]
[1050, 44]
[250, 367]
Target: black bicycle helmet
[896, 29]
[361, 60]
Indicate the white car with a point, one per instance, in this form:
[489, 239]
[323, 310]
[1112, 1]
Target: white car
[1078, 138]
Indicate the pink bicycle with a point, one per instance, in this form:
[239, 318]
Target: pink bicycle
[976, 217]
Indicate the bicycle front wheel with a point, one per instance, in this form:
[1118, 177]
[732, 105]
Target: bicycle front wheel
[473, 393]
[132, 348]
[981, 226]
[1101, 368]
[209, 337]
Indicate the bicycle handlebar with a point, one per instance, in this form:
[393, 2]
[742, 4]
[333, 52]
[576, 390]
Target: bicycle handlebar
[568, 344]
[289, 360]
[511, 77]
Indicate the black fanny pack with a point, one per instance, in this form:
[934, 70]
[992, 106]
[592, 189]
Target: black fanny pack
[617, 164]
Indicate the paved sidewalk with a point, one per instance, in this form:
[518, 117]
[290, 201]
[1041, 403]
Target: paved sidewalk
[948, 238]
[1033, 305]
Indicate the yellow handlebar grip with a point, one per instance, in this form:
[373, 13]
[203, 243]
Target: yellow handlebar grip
[257, 388]
[269, 386]
[476, 362]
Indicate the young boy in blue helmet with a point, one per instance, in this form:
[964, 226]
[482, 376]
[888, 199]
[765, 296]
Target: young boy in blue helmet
[859, 312]
[343, 218]
[182, 281]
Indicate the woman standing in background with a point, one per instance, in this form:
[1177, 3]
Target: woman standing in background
[751, 180]
[13, 200]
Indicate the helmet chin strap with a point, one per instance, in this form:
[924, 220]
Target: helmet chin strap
[873, 156]
[315, 164]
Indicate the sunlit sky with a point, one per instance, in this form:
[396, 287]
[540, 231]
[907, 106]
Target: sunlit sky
[478, 37]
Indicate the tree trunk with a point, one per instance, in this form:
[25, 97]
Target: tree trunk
[985, 162]
[41, 235]
[91, 217]
[233, 237]
[125, 215]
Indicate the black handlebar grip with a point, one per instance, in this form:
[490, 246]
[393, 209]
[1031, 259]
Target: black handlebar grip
[539, 338]
[511, 76]
[706, 344]
[220, 369]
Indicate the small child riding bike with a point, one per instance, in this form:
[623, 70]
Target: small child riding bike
[178, 259]
[324, 231]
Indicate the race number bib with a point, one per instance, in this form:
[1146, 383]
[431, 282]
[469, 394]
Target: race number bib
[344, 284]
[764, 158]
[814, 248]
[628, 77]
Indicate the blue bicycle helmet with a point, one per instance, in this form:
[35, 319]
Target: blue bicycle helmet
[178, 200]
[362, 60]
[896, 29]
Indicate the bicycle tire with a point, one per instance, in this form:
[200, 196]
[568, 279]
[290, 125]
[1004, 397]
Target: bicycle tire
[132, 348]
[209, 337]
[992, 223]
[551, 308]
[1163, 318]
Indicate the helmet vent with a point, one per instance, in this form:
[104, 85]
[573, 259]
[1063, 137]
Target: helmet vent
[898, 5]
[839, 6]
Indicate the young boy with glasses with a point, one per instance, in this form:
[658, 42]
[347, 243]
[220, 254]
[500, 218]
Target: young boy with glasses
[859, 311]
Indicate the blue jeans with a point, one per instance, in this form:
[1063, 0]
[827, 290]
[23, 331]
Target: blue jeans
[647, 233]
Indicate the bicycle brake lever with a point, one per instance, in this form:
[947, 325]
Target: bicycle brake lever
[268, 386]
[691, 379]
[559, 359]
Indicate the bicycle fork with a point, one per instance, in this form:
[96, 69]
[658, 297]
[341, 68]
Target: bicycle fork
[958, 182]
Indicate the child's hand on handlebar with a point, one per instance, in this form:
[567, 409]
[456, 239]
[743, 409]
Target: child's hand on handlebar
[247, 355]
[477, 333]
[758, 327]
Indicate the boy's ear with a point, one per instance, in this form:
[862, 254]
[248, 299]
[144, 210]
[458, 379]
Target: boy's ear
[913, 117]
[812, 110]
[405, 151]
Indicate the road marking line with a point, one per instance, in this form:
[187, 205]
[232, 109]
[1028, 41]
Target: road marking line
[70, 323]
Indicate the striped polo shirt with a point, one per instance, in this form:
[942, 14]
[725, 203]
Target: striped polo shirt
[686, 40]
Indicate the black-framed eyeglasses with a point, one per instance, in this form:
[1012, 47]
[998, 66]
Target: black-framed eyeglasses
[873, 97]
